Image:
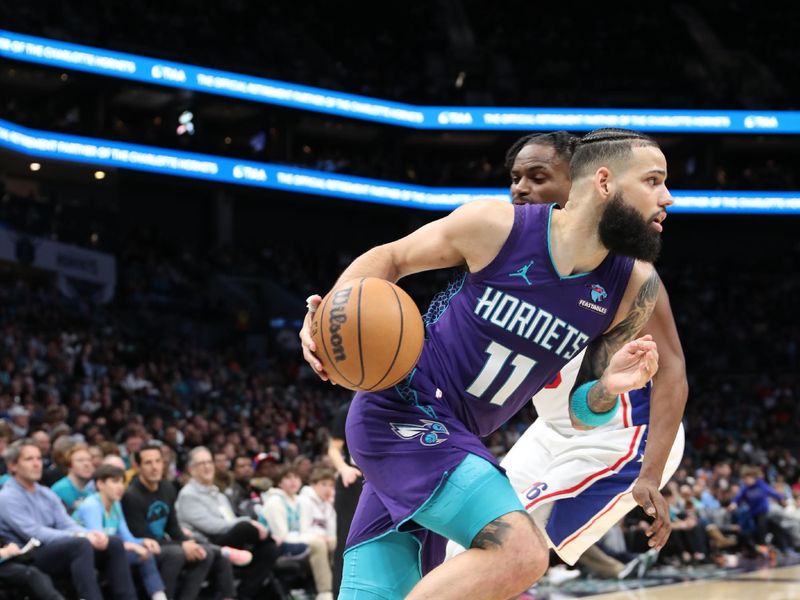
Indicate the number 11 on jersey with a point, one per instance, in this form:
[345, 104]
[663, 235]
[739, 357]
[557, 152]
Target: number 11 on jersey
[498, 356]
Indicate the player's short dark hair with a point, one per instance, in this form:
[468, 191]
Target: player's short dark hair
[152, 445]
[104, 472]
[563, 142]
[604, 146]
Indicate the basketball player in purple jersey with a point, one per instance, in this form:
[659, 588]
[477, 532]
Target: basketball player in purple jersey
[578, 484]
[542, 285]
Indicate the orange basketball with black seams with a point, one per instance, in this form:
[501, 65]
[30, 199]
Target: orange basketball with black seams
[368, 333]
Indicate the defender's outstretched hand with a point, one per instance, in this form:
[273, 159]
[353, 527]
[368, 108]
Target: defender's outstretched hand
[648, 496]
[632, 366]
[309, 347]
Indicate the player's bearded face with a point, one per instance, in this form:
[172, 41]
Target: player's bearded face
[624, 231]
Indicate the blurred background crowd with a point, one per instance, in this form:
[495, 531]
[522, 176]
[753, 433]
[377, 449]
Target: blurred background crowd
[188, 386]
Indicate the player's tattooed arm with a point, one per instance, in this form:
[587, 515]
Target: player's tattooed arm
[600, 351]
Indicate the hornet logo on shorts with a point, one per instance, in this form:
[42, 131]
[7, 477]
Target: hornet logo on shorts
[430, 433]
[597, 293]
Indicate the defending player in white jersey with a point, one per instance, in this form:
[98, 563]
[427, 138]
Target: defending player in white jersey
[577, 483]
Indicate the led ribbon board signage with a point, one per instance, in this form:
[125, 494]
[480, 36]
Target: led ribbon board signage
[211, 81]
[104, 153]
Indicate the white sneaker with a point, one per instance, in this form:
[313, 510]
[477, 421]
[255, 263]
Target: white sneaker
[649, 558]
[560, 574]
[629, 568]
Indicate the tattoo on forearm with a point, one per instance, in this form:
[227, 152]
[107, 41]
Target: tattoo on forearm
[492, 536]
[600, 400]
[603, 348]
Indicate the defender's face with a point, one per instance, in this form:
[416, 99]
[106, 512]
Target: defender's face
[539, 176]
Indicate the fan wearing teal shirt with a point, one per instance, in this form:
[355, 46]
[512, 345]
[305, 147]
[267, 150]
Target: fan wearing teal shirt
[102, 511]
[77, 485]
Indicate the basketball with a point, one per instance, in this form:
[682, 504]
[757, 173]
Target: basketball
[368, 333]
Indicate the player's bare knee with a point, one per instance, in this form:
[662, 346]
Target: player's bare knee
[518, 545]
[532, 557]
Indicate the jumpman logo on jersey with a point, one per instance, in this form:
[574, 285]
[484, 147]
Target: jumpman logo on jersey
[523, 272]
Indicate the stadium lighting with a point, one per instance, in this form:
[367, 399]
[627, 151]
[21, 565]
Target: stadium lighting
[99, 175]
[35, 166]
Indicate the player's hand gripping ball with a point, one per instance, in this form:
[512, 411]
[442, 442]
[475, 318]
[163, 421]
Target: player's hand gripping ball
[368, 334]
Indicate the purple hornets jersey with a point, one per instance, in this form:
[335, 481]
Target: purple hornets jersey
[491, 344]
[513, 325]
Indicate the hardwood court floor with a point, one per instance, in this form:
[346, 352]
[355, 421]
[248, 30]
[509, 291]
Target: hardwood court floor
[781, 583]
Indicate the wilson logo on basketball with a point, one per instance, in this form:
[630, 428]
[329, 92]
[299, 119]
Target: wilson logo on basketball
[337, 318]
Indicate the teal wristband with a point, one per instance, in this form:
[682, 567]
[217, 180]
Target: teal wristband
[579, 403]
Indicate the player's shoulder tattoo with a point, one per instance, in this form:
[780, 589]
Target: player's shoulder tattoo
[640, 311]
[600, 350]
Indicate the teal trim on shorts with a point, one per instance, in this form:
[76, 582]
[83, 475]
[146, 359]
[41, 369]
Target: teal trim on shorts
[388, 567]
[474, 495]
[383, 568]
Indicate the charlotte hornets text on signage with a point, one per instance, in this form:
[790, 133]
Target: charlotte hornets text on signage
[532, 323]
[336, 319]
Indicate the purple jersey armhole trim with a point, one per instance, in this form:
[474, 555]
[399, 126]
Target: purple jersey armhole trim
[520, 215]
[625, 271]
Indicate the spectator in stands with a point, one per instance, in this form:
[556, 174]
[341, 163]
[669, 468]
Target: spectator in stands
[241, 493]
[102, 511]
[222, 471]
[755, 493]
[170, 466]
[133, 441]
[149, 508]
[303, 466]
[267, 466]
[58, 465]
[208, 514]
[97, 455]
[317, 498]
[42, 439]
[290, 525]
[30, 510]
[115, 460]
[23, 578]
[689, 541]
[77, 485]
[348, 488]
[20, 420]
[5, 439]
